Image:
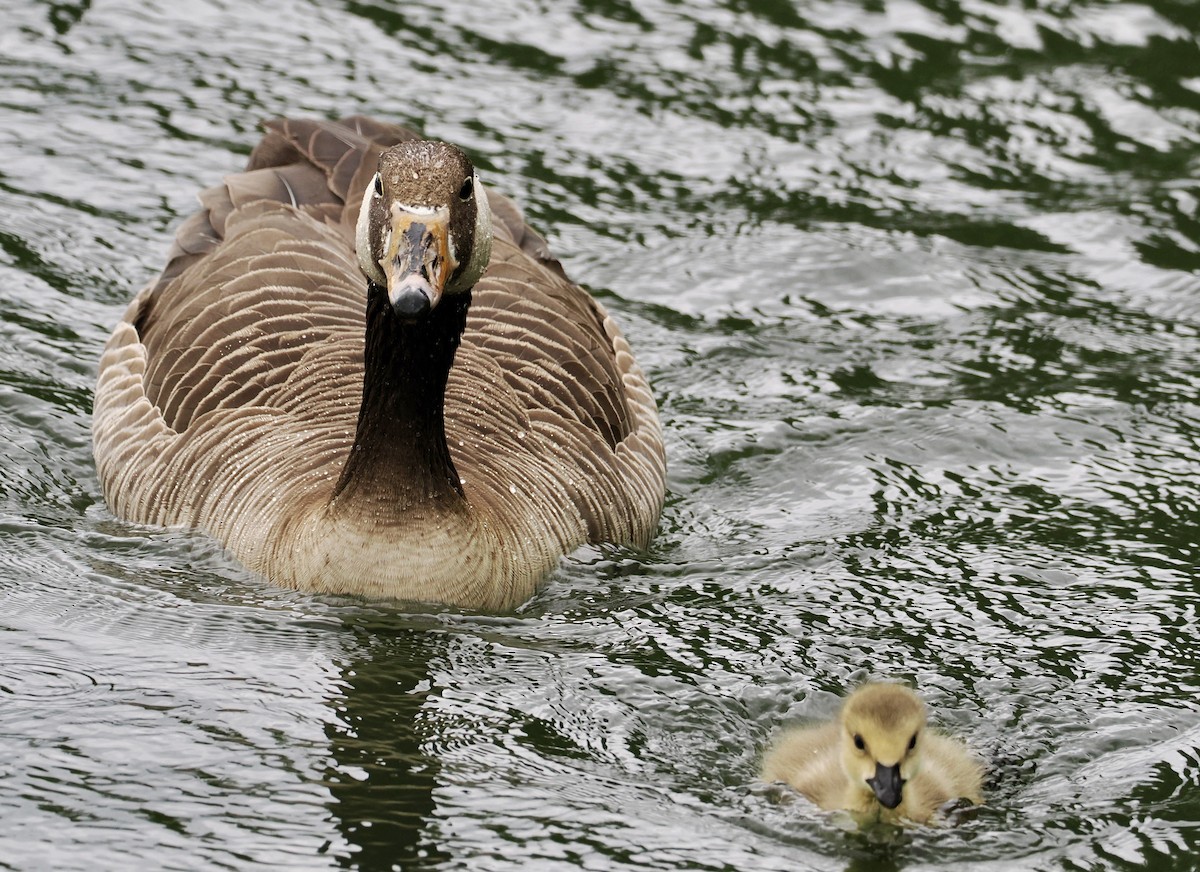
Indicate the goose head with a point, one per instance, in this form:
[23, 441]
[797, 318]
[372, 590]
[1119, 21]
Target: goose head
[424, 230]
[881, 740]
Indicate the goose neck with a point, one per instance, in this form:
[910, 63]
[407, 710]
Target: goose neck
[400, 456]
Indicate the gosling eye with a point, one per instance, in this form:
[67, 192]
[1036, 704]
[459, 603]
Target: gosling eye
[378, 186]
[912, 743]
[464, 193]
[859, 743]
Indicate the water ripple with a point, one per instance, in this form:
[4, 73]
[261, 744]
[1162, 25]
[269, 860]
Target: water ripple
[27, 681]
[915, 283]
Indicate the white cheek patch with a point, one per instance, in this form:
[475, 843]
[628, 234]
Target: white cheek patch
[362, 240]
[482, 252]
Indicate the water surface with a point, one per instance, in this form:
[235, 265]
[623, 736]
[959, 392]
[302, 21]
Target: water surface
[918, 288]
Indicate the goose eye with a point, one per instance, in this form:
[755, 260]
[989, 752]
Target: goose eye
[859, 743]
[464, 193]
[378, 186]
[912, 743]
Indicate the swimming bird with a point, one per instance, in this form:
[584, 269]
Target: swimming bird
[878, 759]
[364, 373]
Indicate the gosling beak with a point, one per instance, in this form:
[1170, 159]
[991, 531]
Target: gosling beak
[887, 784]
[416, 262]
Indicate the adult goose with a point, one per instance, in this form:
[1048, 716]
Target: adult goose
[486, 418]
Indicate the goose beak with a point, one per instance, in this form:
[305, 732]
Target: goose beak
[887, 784]
[416, 261]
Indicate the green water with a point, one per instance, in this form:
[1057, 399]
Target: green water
[918, 288]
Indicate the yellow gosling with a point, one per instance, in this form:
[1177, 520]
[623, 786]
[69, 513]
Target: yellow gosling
[878, 760]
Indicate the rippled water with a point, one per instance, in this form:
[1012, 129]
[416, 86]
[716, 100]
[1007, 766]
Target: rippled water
[918, 287]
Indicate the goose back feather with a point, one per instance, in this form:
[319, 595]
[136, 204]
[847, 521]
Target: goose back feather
[229, 395]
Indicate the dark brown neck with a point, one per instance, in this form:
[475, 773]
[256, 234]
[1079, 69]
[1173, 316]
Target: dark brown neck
[400, 457]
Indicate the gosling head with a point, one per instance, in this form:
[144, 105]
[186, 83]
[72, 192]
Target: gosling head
[424, 229]
[881, 739]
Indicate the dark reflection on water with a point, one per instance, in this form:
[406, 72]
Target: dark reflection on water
[916, 284]
[381, 780]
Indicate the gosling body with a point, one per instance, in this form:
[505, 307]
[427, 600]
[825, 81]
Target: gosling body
[878, 760]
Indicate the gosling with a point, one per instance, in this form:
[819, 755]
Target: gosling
[878, 760]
